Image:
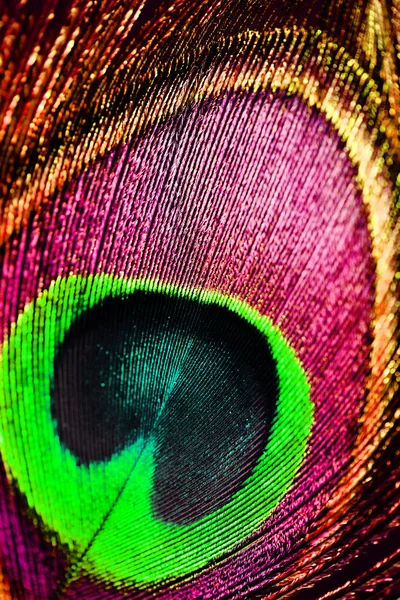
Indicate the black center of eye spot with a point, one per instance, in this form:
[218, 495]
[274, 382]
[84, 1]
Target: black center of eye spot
[197, 378]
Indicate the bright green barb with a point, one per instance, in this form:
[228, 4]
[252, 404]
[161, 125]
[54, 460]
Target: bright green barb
[103, 511]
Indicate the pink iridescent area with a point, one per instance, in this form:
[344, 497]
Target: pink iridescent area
[252, 195]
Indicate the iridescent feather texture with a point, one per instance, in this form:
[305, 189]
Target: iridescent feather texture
[199, 299]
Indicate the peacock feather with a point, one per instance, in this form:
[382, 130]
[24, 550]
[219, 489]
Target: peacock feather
[199, 299]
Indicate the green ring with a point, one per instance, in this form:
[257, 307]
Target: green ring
[134, 546]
